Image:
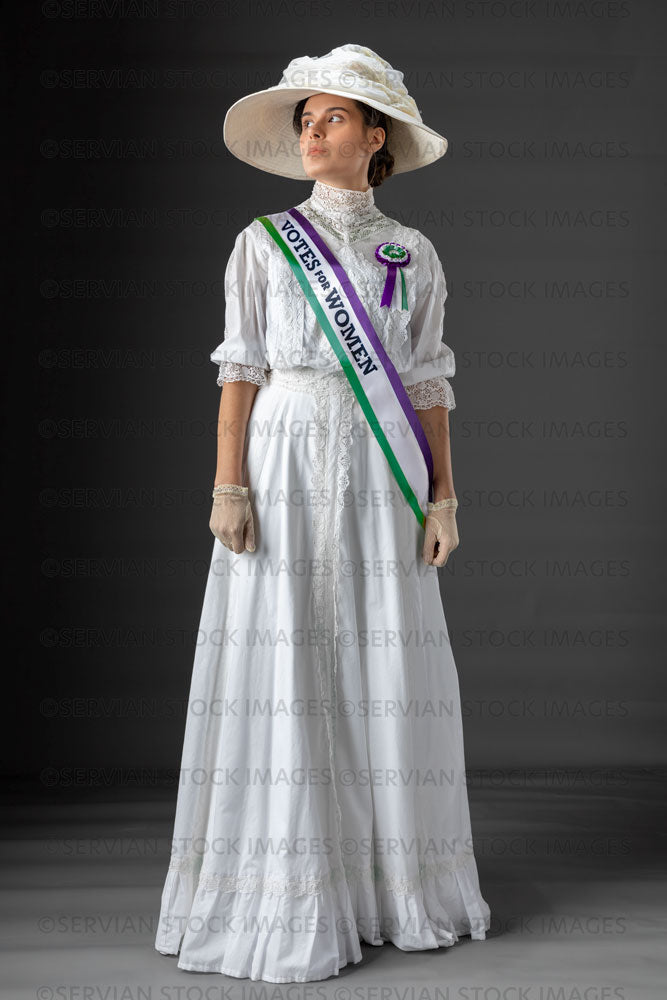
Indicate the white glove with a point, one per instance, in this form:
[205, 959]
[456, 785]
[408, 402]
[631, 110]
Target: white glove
[231, 518]
[441, 534]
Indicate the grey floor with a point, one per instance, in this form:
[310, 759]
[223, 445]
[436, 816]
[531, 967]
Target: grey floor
[572, 866]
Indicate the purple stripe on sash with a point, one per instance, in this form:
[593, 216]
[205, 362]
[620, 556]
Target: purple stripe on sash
[387, 363]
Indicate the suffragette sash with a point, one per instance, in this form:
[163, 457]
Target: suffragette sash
[369, 370]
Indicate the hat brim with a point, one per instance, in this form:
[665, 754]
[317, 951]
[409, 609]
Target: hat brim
[258, 130]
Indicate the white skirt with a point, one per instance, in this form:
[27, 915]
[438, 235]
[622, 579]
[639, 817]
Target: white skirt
[322, 797]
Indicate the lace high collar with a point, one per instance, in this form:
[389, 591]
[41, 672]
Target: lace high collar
[346, 212]
[342, 205]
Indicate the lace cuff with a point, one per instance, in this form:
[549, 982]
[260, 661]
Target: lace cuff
[431, 392]
[231, 371]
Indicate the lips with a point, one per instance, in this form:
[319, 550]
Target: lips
[316, 149]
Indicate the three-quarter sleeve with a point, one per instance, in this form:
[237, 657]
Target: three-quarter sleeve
[242, 355]
[432, 361]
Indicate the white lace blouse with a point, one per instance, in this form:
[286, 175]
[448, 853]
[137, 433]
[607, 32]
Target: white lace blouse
[269, 324]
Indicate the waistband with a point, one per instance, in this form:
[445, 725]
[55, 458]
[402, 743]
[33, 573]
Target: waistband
[311, 380]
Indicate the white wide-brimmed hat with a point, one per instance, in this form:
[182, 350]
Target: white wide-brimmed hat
[258, 128]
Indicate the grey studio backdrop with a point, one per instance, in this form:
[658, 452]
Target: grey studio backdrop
[546, 213]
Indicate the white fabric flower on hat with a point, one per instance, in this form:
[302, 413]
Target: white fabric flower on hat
[353, 67]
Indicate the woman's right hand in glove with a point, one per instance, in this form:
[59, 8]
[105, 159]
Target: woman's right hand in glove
[231, 518]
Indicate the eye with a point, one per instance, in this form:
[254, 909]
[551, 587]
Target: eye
[334, 114]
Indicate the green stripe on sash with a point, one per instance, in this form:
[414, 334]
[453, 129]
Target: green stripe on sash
[348, 368]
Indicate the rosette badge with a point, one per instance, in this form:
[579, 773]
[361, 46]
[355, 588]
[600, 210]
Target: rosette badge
[393, 256]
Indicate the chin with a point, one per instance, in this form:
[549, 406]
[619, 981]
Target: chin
[314, 166]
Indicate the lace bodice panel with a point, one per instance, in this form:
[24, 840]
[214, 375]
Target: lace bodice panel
[268, 323]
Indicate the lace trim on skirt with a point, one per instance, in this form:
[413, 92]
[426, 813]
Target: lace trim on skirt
[311, 885]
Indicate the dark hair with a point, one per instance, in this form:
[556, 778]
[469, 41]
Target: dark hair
[381, 164]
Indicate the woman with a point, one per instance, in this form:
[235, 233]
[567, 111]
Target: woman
[322, 800]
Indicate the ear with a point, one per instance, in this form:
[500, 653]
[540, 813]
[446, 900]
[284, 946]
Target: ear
[379, 134]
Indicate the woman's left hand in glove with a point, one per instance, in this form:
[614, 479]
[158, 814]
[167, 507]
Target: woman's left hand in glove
[440, 532]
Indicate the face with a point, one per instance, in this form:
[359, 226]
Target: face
[336, 146]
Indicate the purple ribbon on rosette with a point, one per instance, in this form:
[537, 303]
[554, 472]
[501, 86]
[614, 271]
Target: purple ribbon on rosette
[393, 256]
